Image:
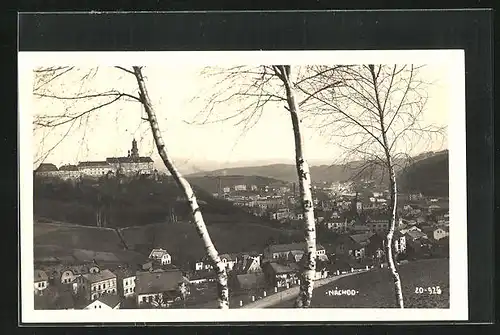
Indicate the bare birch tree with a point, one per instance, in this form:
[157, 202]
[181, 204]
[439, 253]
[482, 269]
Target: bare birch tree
[46, 76]
[376, 115]
[252, 89]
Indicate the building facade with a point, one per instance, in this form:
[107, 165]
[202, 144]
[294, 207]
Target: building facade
[95, 285]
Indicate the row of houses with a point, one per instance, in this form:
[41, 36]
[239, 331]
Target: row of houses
[148, 284]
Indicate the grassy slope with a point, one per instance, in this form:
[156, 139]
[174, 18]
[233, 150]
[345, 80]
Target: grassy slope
[76, 237]
[376, 288]
[182, 240]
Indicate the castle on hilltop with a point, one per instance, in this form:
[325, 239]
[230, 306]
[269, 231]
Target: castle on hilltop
[132, 164]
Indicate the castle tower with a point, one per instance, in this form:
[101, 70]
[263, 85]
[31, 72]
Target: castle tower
[134, 153]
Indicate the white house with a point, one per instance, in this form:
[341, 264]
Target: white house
[440, 233]
[228, 260]
[105, 302]
[98, 284]
[41, 281]
[336, 224]
[240, 187]
[125, 280]
[162, 255]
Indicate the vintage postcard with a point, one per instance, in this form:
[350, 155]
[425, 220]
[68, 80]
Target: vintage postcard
[324, 185]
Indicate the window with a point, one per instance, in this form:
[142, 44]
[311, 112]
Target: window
[143, 299]
[113, 290]
[126, 290]
[99, 288]
[103, 286]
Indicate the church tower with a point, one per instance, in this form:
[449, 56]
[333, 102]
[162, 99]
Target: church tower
[134, 153]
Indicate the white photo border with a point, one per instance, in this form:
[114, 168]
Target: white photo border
[455, 59]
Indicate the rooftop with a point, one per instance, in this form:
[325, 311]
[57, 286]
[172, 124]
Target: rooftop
[92, 164]
[362, 239]
[415, 234]
[110, 299]
[121, 160]
[155, 282]
[291, 247]
[40, 276]
[280, 268]
[99, 276]
[68, 167]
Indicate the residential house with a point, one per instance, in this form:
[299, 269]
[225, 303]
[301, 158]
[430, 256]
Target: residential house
[70, 274]
[249, 263]
[125, 281]
[379, 241]
[105, 302]
[247, 281]
[41, 281]
[375, 247]
[358, 228]
[399, 241]
[349, 246]
[229, 261]
[378, 224]
[240, 187]
[202, 276]
[95, 285]
[406, 228]
[280, 214]
[159, 287]
[279, 274]
[204, 264]
[415, 235]
[337, 224]
[277, 251]
[437, 233]
[160, 255]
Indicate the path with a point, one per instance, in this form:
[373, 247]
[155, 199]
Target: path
[293, 292]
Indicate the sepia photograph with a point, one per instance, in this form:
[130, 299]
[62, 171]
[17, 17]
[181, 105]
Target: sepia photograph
[330, 188]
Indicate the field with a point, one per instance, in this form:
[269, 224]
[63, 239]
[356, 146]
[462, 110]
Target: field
[76, 237]
[182, 241]
[376, 289]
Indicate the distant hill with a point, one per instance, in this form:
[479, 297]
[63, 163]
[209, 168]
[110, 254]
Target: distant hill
[428, 171]
[428, 175]
[284, 172]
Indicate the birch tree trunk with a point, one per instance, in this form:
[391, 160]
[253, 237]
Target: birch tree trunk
[309, 270]
[390, 234]
[393, 192]
[222, 289]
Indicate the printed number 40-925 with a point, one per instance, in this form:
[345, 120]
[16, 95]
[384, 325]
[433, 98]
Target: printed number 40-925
[429, 290]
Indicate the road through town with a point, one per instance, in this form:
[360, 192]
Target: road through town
[294, 291]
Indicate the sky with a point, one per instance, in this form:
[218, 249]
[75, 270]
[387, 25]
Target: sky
[109, 131]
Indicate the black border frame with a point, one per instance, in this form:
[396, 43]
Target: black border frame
[456, 29]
